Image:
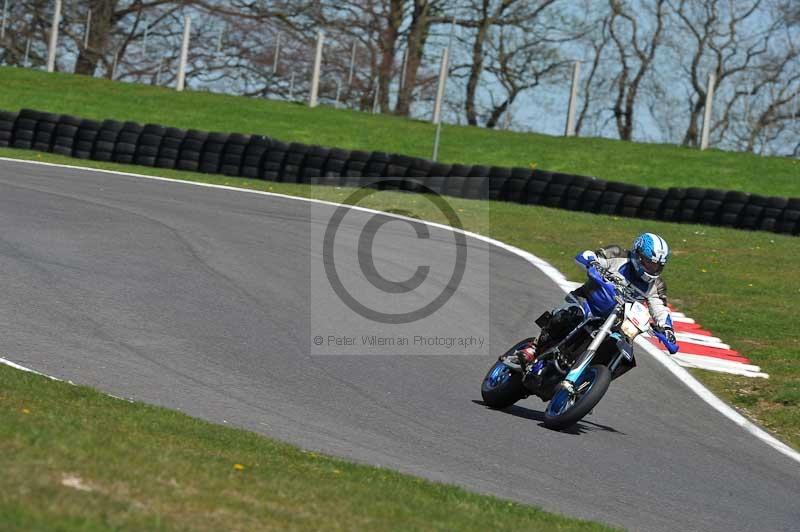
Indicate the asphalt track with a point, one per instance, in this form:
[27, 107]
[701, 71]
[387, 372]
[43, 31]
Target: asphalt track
[201, 300]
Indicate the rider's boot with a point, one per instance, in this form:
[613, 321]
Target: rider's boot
[528, 353]
[522, 358]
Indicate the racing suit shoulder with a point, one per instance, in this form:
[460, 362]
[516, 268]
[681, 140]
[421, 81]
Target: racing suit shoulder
[602, 256]
[618, 252]
[655, 293]
[612, 252]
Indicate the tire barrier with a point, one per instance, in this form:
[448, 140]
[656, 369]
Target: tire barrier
[7, 121]
[259, 157]
[170, 148]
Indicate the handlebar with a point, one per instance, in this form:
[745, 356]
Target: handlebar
[621, 284]
[628, 292]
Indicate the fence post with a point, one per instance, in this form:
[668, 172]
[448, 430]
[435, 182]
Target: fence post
[352, 65]
[313, 93]
[277, 53]
[712, 79]
[291, 88]
[87, 30]
[5, 16]
[51, 51]
[158, 72]
[437, 108]
[338, 92]
[219, 38]
[569, 130]
[748, 95]
[187, 25]
[114, 66]
[26, 63]
[375, 96]
[403, 70]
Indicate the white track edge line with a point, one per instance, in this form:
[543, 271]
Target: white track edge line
[556, 276]
[28, 370]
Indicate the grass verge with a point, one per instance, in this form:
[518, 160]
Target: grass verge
[742, 285]
[75, 459]
[659, 165]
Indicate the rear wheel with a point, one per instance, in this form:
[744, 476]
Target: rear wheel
[566, 408]
[502, 385]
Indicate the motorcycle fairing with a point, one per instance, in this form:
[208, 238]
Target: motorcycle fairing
[601, 294]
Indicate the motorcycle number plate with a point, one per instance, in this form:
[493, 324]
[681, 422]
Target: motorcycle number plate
[638, 314]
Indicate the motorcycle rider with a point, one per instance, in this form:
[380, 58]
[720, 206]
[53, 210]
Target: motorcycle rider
[641, 266]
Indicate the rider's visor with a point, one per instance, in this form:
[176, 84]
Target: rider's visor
[650, 266]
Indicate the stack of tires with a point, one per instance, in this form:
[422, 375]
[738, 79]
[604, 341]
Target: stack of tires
[334, 171]
[65, 135]
[7, 121]
[789, 220]
[651, 203]
[211, 155]
[314, 165]
[355, 168]
[258, 157]
[417, 173]
[148, 145]
[25, 129]
[106, 140]
[190, 149]
[44, 132]
[170, 149]
[253, 156]
[127, 140]
[436, 180]
[272, 165]
[233, 154]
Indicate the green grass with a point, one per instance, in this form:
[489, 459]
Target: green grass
[742, 285]
[75, 459]
[150, 468]
[647, 164]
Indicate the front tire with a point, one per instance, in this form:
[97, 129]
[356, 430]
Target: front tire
[564, 409]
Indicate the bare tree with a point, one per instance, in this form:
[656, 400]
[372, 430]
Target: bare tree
[423, 14]
[519, 65]
[635, 48]
[595, 42]
[483, 17]
[718, 46]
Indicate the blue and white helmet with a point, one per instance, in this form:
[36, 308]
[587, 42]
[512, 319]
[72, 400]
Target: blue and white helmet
[649, 255]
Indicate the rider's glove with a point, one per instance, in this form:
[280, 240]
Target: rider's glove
[670, 334]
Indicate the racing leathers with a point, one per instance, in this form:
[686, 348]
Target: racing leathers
[562, 321]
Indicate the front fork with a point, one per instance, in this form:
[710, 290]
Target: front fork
[586, 357]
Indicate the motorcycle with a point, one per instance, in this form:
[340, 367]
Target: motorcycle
[574, 374]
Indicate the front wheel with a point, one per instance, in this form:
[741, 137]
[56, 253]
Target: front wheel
[565, 408]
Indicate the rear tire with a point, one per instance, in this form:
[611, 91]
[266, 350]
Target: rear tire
[558, 420]
[502, 386]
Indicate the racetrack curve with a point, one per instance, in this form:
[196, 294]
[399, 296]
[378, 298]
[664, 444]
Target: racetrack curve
[200, 299]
